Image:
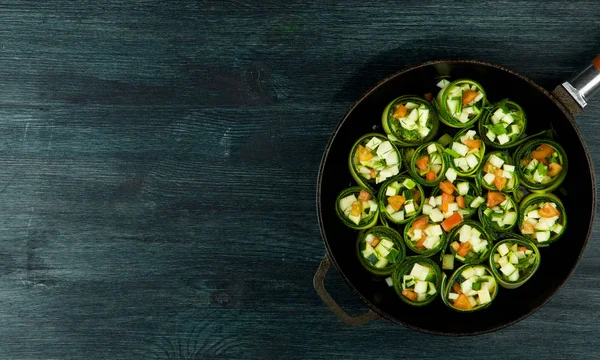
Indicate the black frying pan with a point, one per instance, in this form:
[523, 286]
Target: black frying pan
[544, 110]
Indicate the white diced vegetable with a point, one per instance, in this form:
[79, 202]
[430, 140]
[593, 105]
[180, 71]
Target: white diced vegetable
[508, 269]
[503, 249]
[432, 201]
[431, 242]
[472, 300]
[472, 160]
[557, 228]
[427, 209]
[477, 202]
[423, 115]
[498, 115]
[489, 178]
[354, 219]
[369, 238]
[490, 135]
[373, 143]
[452, 296]
[509, 218]
[463, 188]
[398, 216]
[424, 131]
[503, 139]
[468, 272]
[390, 209]
[390, 191]
[438, 200]
[417, 233]
[436, 215]
[464, 233]
[372, 205]
[419, 272]
[479, 271]
[460, 148]
[484, 296]
[461, 163]
[514, 129]
[514, 276]
[389, 281]
[508, 119]
[409, 208]
[471, 134]
[443, 83]
[508, 167]
[506, 174]
[381, 263]
[408, 183]
[496, 161]
[391, 158]
[421, 287]
[451, 174]
[478, 97]
[384, 148]
[534, 214]
[542, 236]
[503, 261]
[436, 230]
[431, 149]
[347, 202]
[452, 207]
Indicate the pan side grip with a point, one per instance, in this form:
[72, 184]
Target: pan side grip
[575, 93]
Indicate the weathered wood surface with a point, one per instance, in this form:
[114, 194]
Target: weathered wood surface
[160, 161]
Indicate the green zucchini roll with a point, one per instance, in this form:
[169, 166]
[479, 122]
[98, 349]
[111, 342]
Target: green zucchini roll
[541, 165]
[470, 288]
[410, 121]
[469, 243]
[500, 212]
[428, 164]
[373, 160]
[503, 125]
[466, 153]
[417, 282]
[400, 199]
[514, 261]
[498, 172]
[380, 250]
[357, 208]
[542, 218]
[449, 204]
[423, 236]
[460, 103]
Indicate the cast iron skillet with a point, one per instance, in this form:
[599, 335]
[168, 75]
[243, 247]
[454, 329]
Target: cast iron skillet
[558, 261]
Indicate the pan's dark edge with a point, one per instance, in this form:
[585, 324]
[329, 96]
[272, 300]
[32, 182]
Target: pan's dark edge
[436, 62]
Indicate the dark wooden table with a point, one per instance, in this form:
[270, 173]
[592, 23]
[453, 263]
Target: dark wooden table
[160, 161]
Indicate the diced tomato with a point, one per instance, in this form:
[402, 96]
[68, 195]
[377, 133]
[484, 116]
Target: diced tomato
[422, 162]
[421, 223]
[468, 96]
[428, 96]
[456, 288]
[365, 196]
[542, 151]
[373, 174]
[356, 208]
[554, 169]
[375, 241]
[410, 294]
[364, 154]
[527, 228]
[444, 207]
[473, 144]
[548, 211]
[489, 168]
[462, 302]
[400, 111]
[396, 201]
[455, 245]
[544, 161]
[451, 222]
[447, 187]
[464, 249]
[447, 198]
[494, 198]
[499, 180]
[420, 243]
[460, 200]
[430, 176]
[525, 162]
[522, 248]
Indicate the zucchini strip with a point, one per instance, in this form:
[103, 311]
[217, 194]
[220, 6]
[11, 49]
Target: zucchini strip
[380, 250]
[460, 103]
[418, 281]
[498, 172]
[503, 125]
[465, 153]
[410, 121]
[428, 164]
[542, 218]
[471, 288]
[541, 165]
[500, 212]
[514, 261]
[357, 208]
[400, 199]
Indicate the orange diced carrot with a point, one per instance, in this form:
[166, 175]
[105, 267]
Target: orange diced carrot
[422, 162]
[364, 195]
[455, 245]
[447, 198]
[373, 174]
[522, 248]
[400, 111]
[548, 211]
[444, 207]
[421, 223]
[451, 222]
[460, 200]
[375, 241]
[468, 96]
[421, 242]
[494, 198]
[447, 187]
[396, 201]
[473, 144]
[527, 228]
[463, 303]
[430, 176]
[456, 288]
[542, 152]
[364, 154]
[410, 294]
[464, 249]
[554, 169]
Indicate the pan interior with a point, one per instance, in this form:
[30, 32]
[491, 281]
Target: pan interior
[557, 261]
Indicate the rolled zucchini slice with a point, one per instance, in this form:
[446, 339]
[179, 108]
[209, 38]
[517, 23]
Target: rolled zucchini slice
[514, 261]
[418, 281]
[460, 103]
[503, 126]
[380, 250]
[541, 165]
[410, 121]
[466, 153]
[469, 243]
[498, 172]
[428, 164]
[500, 212]
[400, 199]
[423, 236]
[357, 208]
[373, 159]
[470, 288]
[542, 218]
[449, 204]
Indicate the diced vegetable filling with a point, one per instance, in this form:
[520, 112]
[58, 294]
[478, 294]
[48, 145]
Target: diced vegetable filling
[419, 284]
[425, 235]
[468, 243]
[411, 121]
[514, 260]
[379, 252]
[463, 100]
[498, 173]
[506, 125]
[466, 153]
[455, 203]
[542, 164]
[541, 221]
[402, 199]
[429, 163]
[502, 214]
[358, 207]
[472, 288]
[377, 159]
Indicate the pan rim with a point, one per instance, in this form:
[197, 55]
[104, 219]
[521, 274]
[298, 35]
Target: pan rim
[332, 259]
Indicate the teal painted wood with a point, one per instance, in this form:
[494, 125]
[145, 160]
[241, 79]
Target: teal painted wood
[160, 160]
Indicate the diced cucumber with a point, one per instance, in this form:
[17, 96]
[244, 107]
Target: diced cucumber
[463, 188]
[490, 135]
[372, 206]
[427, 209]
[514, 276]
[508, 119]
[464, 233]
[557, 228]
[496, 161]
[354, 219]
[443, 83]
[384, 148]
[431, 242]
[452, 153]
[466, 285]
[438, 200]
[451, 174]
[452, 207]
[389, 209]
[514, 129]
[513, 259]
[452, 296]
[509, 168]
[508, 269]
[381, 263]
[409, 183]
[534, 214]
[528, 252]
[477, 202]
[468, 272]
[489, 178]
[373, 143]
[436, 215]
[497, 116]
[484, 296]
[532, 165]
[542, 236]
[409, 208]
[432, 290]
[391, 158]
[503, 249]
[419, 272]
[389, 281]
[509, 218]
[448, 262]
[398, 216]
[460, 148]
[417, 234]
[421, 287]
[383, 250]
[390, 191]
[431, 149]
[423, 116]
[472, 160]
[347, 202]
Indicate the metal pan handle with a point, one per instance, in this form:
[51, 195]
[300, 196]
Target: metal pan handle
[319, 284]
[574, 94]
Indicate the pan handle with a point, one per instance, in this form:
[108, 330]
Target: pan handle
[573, 94]
[319, 284]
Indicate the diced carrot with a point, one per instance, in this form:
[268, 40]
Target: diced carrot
[462, 302]
[400, 111]
[375, 241]
[421, 242]
[364, 195]
[447, 187]
[460, 200]
[525, 162]
[464, 249]
[428, 96]
[356, 208]
[548, 211]
[542, 151]
[468, 96]
[421, 223]
[555, 169]
[455, 245]
[500, 182]
[373, 174]
[410, 294]
[422, 162]
[451, 222]
[444, 207]
[473, 144]
[396, 201]
[456, 288]
[489, 168]
[494, 198]
[430, 176]
[364, 154]
[527, 228]
[522, 248]
[447, 198]
[416, 196]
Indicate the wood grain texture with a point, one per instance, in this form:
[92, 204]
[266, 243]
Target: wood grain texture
[160, 162]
